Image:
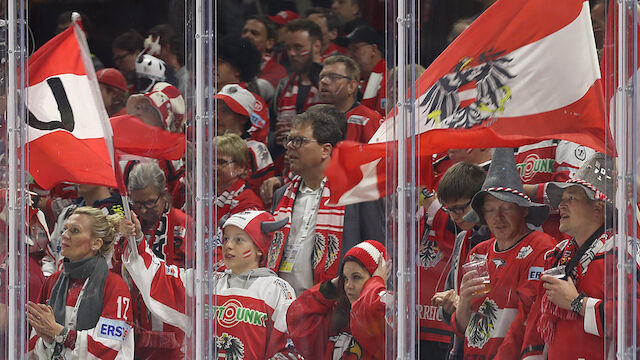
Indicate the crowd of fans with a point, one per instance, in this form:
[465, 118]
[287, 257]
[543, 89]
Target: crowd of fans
[511, 245]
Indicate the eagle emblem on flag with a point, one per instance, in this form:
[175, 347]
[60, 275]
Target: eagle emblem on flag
[474, 91]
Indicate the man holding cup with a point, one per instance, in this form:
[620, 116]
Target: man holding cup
[571, 297]
[500, 285]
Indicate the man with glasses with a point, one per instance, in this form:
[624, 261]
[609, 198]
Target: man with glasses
[125, 48]
[298, 91]
[309, 249]
[366, 47]
[164, 229]
[339, 87]
[445, 243]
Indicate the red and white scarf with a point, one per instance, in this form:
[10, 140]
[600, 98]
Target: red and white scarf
[328, 233]
[550, 313]
[289, 98]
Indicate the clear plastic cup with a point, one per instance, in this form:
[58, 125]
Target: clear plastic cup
[557, 272]
[481, 268]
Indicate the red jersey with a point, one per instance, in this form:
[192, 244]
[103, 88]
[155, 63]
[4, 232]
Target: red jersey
[362, 123]
[587, 332]
[374, 88]
[435, 249]
[110, 338]
[496, 327]
[310, 327]
[154, 337]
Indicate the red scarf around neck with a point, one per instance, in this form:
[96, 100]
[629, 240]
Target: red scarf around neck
[289, 98]
[328, 233]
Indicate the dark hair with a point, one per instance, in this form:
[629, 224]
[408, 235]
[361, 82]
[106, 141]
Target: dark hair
[130, 41]
[329, 125]
[168, 36]
[242, 54]
[333, 21]
[461, 181]
[315, 33]
[65, 18]
[268, 24]
[342, 315]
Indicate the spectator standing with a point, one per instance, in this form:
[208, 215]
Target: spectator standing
[78, 304]
[245, 287]
[330, 25]
[308, 250]
[125, 48]
[114, 91]
[261, 32]
[339, 87]
[350, 14]
[572, 305]
[344, 318]
[491, 316]
[367, 48]
[298, 91]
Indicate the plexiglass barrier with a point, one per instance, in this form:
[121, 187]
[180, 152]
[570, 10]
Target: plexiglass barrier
[484, 203]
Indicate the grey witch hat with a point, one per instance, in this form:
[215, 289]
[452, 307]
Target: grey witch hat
[595, 176]
[503, 182]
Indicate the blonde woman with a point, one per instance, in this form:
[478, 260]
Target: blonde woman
[84, 309]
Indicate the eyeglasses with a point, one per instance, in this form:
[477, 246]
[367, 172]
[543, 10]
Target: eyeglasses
[334, 77]
[297, 141]
[458, 210]
[149, 204]
[222, 162]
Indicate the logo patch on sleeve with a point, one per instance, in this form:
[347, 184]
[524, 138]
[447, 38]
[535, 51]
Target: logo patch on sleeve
[112, 329]
[535, 272]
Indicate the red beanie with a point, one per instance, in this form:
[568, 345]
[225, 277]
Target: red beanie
[368, 252]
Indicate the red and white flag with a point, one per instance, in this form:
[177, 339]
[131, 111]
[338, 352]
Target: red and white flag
[523, 72]
[69, 132]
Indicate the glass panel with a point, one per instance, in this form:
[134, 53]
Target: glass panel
[494, 81]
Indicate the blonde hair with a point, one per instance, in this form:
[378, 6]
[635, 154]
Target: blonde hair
[103, 226]
[234, 146]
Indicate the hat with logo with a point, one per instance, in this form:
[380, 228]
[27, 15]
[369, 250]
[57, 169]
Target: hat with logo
[595, 177]
[284, 16]
[503, 182]
[112, 77]
[260, 226]
[368, 253]
[240, 101]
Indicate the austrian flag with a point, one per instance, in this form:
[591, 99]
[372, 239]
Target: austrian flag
[523, 72]
[69, 132]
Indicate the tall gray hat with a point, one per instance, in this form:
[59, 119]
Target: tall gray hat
[595, 176]
[503, 182]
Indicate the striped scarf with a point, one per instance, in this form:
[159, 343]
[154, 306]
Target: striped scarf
[328, 233]
[286, 110]
[550, 313]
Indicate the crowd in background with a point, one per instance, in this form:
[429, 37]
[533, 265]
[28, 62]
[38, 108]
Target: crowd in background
[298, 278]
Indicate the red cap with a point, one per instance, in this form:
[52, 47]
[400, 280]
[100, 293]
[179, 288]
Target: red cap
[284, 16]
[368, 252]
[112, 77]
